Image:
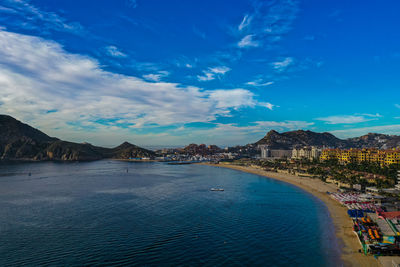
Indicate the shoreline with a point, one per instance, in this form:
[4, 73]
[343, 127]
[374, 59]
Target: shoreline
[349, 245]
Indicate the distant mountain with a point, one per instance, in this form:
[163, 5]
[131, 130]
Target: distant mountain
[19, 141]
[202, 149]
[289, 140]
[381, 141]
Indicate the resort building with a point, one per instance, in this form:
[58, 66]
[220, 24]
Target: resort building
[344, 156]
[309, 153]
[267, 153]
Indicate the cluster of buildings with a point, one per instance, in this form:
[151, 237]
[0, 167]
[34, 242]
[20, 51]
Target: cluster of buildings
[195, 153]
[344, 156]
[307, 152]
[266, 152]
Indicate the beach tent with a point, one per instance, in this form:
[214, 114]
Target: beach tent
[355, 213]
[390, 214]
[388, 239]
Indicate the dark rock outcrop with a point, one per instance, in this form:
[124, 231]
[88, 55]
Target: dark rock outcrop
[19, 141]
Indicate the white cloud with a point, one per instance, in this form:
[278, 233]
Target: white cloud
[7, 10]
[233, 98]
[259, 82]
[386, 129]
[269, 106]
[37, 76]
[245, 22]
[208, 76]
[397, 105]
[26, 15]
[282, 65]
[224, 134]
[220, 70]
[114, 51]
[376, 115]
[248, 41]
[213, 73]
[156, 77]
[285, 125]
[349, 119]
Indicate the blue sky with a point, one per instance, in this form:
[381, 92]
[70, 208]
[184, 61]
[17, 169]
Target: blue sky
[158, 72]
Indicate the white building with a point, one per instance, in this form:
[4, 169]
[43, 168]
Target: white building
[309, 153]
[267, 153]
[397, 186]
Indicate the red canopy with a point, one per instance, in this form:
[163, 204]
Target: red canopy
[391, 214]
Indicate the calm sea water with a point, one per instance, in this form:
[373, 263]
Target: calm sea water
[97, 213]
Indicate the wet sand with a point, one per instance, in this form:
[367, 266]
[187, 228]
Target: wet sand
[343, 225]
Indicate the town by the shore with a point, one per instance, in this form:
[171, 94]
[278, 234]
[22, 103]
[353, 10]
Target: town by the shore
[350, 246]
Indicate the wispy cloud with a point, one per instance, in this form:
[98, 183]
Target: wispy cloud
[38, 76]
[213, 73]
[4, 9]
[199, 33]
[236, 98]
[269, 21]
[259, 82]
[26, 15]
[282, 65]
[349, 119]
[184, 62]
[248, 41]
[245, 22]
[132, 3]
[156, 77]
[385, 129]
[397, 105]
[376, 115]
[113, 51]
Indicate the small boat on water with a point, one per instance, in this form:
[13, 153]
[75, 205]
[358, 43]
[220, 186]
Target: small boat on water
[216, 189]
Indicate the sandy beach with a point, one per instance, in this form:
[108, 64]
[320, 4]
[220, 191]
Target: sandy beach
[343, 225]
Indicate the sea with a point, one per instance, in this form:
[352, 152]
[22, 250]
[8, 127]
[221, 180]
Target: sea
[115, 213]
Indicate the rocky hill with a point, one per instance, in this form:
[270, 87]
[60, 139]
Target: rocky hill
[127, 150]
[19, 141]
[202, 149]
[288, 140]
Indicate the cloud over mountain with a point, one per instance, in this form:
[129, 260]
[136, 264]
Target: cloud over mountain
[43, 83]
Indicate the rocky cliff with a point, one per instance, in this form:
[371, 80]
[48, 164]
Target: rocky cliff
[19, 141]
